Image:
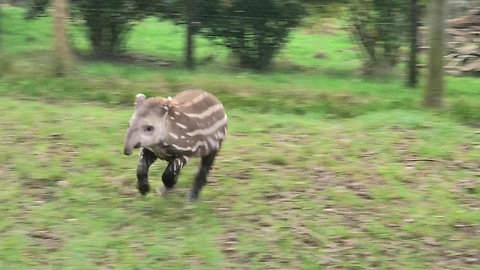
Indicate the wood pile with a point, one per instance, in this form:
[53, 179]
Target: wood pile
[463, 48]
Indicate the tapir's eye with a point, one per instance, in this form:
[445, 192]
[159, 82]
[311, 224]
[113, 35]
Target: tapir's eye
[149, 128]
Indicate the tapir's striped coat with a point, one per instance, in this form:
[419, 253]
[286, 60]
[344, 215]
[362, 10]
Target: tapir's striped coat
[192, 124]
[196, 124]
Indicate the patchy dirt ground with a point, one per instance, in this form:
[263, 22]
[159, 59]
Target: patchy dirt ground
[393, 190]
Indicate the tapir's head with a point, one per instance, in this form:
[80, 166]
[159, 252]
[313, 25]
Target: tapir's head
[147, 126]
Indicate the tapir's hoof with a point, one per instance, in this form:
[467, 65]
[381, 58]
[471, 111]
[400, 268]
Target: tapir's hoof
[192, 198]
[163, 191]
[143, 188]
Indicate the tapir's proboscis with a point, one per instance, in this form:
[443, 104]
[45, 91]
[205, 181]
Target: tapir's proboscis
[192, 124]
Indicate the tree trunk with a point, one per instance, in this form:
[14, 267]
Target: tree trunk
[412, 65]
[63, 56]
[1, 29]
[434, 90]
[189, 48]
[2, 60]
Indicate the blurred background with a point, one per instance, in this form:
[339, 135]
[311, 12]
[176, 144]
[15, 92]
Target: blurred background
[354, 134]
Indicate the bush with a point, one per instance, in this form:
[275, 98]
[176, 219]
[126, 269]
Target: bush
[380, 27]
[108, 23]
[254, 30]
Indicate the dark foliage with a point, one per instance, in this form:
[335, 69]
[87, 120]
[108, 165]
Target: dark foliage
[108, 22]
[253, 30]
[37, 8]
[381, 28]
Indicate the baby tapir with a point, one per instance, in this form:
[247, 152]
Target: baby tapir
[192, 124]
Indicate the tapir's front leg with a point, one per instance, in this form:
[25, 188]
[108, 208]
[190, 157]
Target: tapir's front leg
[146, 159]
[170, 175]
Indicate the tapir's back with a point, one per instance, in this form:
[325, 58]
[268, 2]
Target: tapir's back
[200, 122]
[194, 101]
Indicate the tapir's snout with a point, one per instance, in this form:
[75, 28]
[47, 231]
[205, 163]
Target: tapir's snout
[127, 152]
[132, 141]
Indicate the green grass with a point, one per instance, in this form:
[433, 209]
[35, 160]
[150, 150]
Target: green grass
[287, 192]
[321, 169]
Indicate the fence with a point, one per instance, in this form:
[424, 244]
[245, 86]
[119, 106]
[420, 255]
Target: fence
[462, 6]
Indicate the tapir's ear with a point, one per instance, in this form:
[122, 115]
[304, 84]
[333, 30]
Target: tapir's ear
[139, 100]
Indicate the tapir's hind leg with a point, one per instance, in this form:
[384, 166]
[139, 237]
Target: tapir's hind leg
[146, 160]
[170, 175]
[201, 178]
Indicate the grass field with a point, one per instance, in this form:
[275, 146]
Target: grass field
[321, 169]
[286, 193]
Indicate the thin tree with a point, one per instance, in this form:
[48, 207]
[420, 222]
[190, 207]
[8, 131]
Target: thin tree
[63, 56]
[1, 26]
[2, 58]
[412, 65]
[190, 15]
[433, 97]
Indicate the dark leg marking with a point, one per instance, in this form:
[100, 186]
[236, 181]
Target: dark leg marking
[201, 177]
[146, 159]
[170, 175]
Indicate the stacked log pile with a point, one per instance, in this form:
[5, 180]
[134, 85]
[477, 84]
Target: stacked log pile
[463, 47]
